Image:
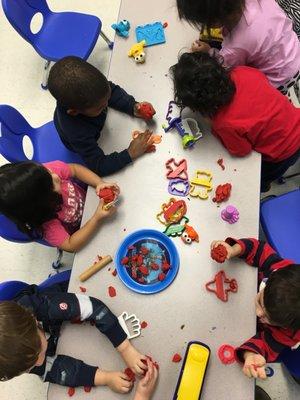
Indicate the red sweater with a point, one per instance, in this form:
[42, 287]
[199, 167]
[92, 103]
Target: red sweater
[270, 340]
[258, 118]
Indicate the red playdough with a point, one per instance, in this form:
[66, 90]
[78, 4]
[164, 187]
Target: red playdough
[114, 273]
[144, 270]
[144, 251]
[130, 374]
[87, 389]
[154, 266]
[219, 253]
[144, 325]
[112, 291]
[221, 163]
[71, 391]
[107, 194]
[125, 260]
[222, 193]
[161, 276]
[176, 358]
[82, 289]
[146, 110]
[165, 266]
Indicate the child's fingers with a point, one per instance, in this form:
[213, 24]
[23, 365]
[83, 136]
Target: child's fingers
[247, 372]
[261, 373]
[126, 384]
[125, 389]
[124, 376]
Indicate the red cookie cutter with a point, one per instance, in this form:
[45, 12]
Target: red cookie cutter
[177, 170]
[226, 354]
[220, 290]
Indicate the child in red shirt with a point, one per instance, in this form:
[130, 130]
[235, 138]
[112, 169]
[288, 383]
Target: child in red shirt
[277, 304]
[246, 113]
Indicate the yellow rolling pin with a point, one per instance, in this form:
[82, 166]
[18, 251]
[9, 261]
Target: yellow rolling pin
[95, 268]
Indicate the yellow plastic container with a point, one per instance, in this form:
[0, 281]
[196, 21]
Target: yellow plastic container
[192, 373]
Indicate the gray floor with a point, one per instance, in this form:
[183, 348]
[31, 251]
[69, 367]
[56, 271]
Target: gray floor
[21, 74]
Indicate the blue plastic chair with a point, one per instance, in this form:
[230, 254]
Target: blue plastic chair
[45, 140]
[280, 220]
[10, 289]
[10, 232]
[62, 33]
[291, 359]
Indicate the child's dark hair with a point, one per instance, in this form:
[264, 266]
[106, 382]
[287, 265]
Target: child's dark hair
[209, 13]
[202, 83]
[76, 84]
[27, 196]
[282, 297]
[20, 343]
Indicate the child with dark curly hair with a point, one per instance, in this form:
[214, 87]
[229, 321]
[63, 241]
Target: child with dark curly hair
[246, 113]
[257, 33]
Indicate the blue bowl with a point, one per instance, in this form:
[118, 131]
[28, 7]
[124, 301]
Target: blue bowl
[158, 243]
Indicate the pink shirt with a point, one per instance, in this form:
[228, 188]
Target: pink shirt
[264, 39]
[56, 231]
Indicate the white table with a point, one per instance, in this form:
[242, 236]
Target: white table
[144, 189]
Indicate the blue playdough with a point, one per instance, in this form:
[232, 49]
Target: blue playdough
[122, 28]
[151, 33]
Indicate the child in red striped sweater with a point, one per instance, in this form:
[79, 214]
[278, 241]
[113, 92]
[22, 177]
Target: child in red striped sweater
[277, 304]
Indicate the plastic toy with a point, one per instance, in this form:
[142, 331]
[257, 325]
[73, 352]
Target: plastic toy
[187, 128]
[226, 354]
[230, 214]
[202, 179]
[94, 268]
[222, 193]
[219, 253]
[174, 230]
[161, 258]
[146, 110]
[178, 187]
[177, 170]
[137, 52]
[220, 280]
[189, 235]
[151, 33]
[269, 371]
[192, 374]
[172, 212]
[132, 320]
[122, 28]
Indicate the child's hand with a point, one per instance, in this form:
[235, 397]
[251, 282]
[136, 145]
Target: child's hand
[104, 185]
[198, 45]
[102, 212]
[232, 251]
[139, 145]
[133, 359]
[118, 382]
[254, 365]
[140, 114]
[146, 385]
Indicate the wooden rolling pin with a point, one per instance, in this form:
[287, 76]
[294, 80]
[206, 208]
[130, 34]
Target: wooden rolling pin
[94, 268]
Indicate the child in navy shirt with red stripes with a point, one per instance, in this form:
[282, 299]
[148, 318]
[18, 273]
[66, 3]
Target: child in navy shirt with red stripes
[277, 304]
[245, 112]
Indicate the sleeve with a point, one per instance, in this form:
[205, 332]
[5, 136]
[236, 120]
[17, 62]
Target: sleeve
[55, 233]
[120, 100]
[95, 159]
[269, 343]
[234, 141]
[60, 168]
[66, 371]
[58, 307]
[260, 254]
[233, 56]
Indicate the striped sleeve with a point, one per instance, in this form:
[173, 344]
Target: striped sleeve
[260, 254]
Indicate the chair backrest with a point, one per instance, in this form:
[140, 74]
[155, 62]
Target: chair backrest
[20, 13]
[12, 131]
[10, 232]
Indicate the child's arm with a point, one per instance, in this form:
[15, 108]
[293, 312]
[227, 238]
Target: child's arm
[255, 252]
[79, 238]
[234, 141]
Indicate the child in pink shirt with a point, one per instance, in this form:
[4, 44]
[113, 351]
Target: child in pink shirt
[257, 33]
[45, 201]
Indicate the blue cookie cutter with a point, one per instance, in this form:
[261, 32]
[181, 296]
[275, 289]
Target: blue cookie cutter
[151, 33]
[174, 189]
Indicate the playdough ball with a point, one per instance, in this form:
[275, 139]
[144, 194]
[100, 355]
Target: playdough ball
[107, 194]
